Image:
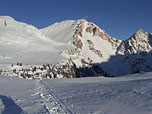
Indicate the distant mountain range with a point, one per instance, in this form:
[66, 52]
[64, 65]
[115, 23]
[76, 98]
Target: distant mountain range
[72, 48]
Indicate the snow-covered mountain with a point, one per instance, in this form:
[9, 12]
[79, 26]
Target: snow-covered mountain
[20, 42]
[72, 48]
[90, 43]
[95, 52]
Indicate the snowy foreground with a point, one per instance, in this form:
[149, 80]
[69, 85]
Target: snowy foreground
[130, 94]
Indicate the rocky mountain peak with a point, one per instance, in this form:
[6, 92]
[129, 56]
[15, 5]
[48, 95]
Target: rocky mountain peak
[140, 35]
[140, 31]
[85, 27]
[138, 42]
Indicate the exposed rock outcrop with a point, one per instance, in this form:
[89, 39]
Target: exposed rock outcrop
[79, 34]
[78, 43]
[96, 51]
[96, 31]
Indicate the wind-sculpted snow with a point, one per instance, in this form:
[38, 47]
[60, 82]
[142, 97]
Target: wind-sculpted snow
[129, 94]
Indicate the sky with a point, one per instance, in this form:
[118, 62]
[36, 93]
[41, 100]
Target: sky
[119, 18]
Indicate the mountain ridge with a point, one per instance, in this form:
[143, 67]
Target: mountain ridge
[71, 48]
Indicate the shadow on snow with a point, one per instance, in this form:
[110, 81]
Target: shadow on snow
[118, 65]
[10, 106]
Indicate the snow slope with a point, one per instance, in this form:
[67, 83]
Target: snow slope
[129, 94]
[61, 32]
[20, 42]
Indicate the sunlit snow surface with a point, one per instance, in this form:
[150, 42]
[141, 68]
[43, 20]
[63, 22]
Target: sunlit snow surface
[24, 43]
[131, 94]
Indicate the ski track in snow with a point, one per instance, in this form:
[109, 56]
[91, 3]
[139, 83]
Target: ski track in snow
[131, 94]
[50, 102]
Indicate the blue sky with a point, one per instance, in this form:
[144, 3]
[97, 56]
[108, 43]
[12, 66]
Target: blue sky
[119, 18]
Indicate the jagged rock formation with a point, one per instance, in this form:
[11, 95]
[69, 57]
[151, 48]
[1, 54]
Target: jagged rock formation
[139, 41]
